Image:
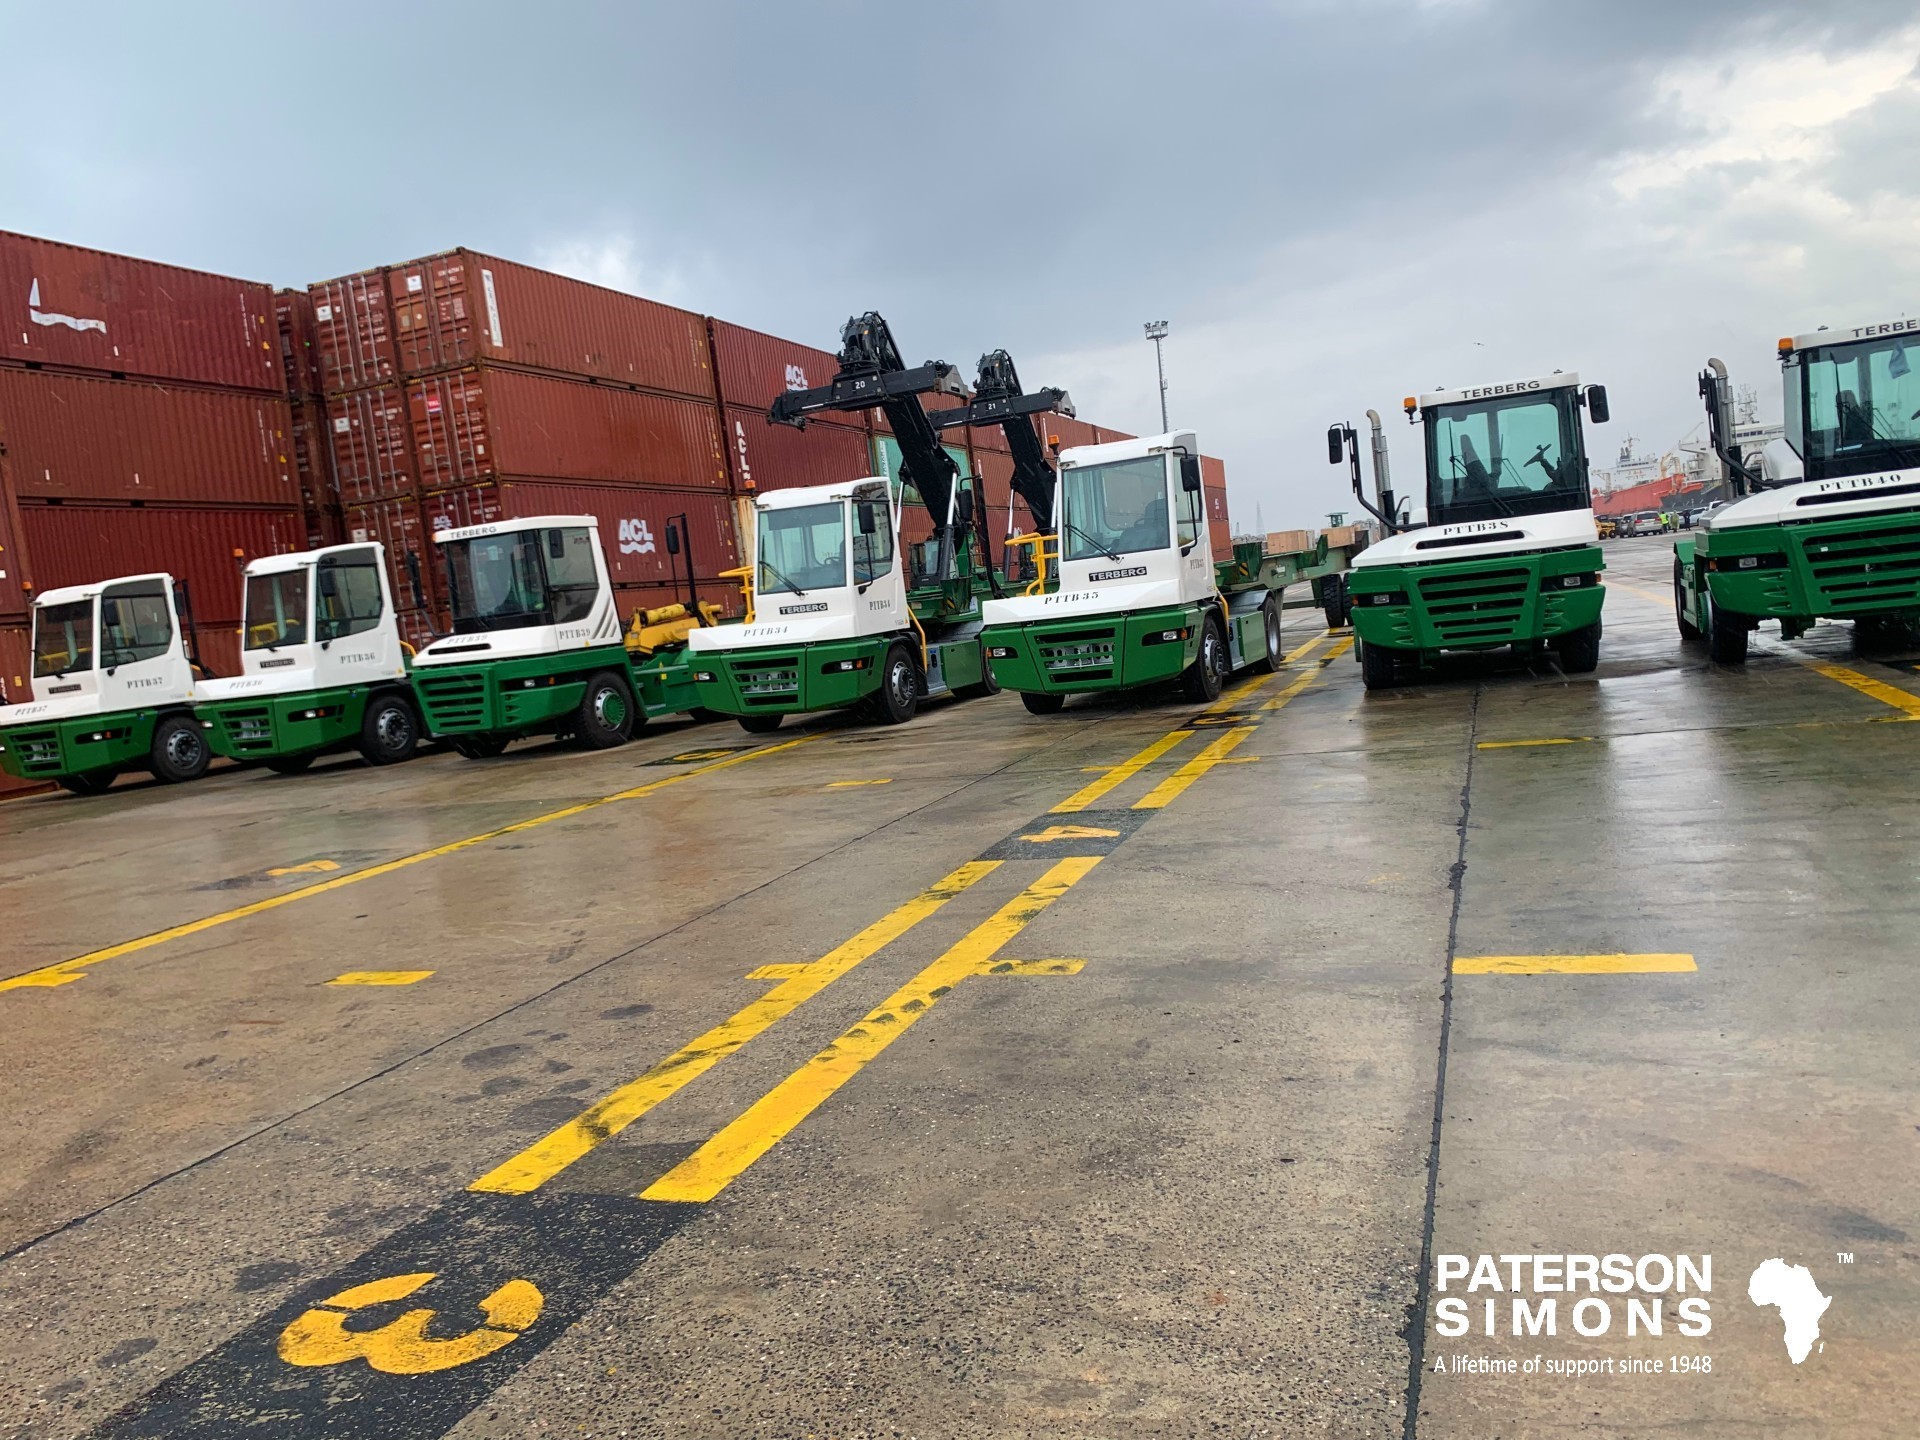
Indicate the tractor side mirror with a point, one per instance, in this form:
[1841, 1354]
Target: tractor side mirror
[865, 518]
[1336, 444]
[1190, 473]
[963, 504]
[1597, 410]
[673, 538]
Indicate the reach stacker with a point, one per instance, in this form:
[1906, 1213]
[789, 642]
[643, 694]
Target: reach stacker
[1843, 541]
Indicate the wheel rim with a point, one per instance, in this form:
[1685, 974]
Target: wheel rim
[1213, 654]
[393, 729]
[183, 749]
[1273, 636]
[609, 707]
[899, 683]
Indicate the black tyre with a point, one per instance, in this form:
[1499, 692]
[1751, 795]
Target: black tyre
[1269, 661]
[481, 747]
[1688, 630]
[605, 716]
[1726, 635]
[898, 699]
[389, 731]
[1580, 649]
[759, 724]
[1336, 603]
[291, 764]
[701, 715]
[179, 750]
[1379, 668]
[987, 686]
[94, 782]
[1042, 704]
[1201, 681]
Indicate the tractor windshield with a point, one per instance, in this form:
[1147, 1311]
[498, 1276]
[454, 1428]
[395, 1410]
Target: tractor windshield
[801, 548]
[1515, 455]
[1855, 409]
[276, 607]
[522, 578]
[1110, 510]
[62, 638]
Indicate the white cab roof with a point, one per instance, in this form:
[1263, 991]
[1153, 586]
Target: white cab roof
[67, 594]
[294, 559]
[1132, 449]
[812, 494]
[1474, 393]
[514, 527]
[1846, 336]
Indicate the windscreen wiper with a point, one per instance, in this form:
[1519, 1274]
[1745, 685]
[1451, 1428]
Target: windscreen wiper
[1068, 524]
[783, 579]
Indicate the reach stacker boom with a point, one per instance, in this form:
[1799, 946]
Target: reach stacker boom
[113, 688]
[1843, 541]
[1509, 554]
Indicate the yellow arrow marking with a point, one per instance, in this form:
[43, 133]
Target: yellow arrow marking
[380, 977]
[1071, 832]
[312, 867]
[320, 1337]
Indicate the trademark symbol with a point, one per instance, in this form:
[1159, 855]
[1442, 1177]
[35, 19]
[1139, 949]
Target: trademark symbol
[1843, 1257]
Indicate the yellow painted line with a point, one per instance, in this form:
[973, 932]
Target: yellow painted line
[64, 972]
[547, 1157]
[1523, 744]
[719, 1162]
[1231, 698]
[850, 784]
[1171, 788]
[1119, 774]
[381, 977]
[1901, 700]
[1573, 964]
[312, 867]
[1030, 967]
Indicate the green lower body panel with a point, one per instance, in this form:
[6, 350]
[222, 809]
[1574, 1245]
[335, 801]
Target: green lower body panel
[1477, 604]
[790, 679]
[55, 749]
[306, 722]
[1862, 568]
[511, 697]
[664, 684]
[1106, 652]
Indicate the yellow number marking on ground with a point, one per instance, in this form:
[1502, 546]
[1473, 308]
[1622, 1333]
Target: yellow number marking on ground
[320, 1336]
[381, 977]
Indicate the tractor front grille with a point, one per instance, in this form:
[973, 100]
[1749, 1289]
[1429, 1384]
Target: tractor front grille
[1079, 654]
[1483, 608]
[455, 701]
[1858, 569]
[248, 729]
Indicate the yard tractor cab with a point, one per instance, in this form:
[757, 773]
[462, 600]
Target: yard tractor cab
[842, 611]
[113, 686]
[537, 645]
[1840, 541]
[1509, 554]
[323, 665]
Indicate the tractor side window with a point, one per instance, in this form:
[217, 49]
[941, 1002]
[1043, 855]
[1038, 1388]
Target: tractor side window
[872, 553]
[276, 610]
[135, 623]
[350, 602]
[1192, 516]
[573, 581]
[62, 638]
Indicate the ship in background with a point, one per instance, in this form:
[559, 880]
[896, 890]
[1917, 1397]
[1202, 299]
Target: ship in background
[1688, 476]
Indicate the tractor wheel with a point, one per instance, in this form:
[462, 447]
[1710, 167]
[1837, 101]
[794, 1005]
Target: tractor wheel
[1336, 601]
[292, 764]
[1688, 630]
[1580, 650]
[759, 724]
[1202, 680]
[179, 750]
[1379, 667]
[1269, 661]
[94, 782]
[987, 684]
[898, 698]
[1726, 635]
[1040, 703]
[605, 716]
[481, 747]
[389, 731]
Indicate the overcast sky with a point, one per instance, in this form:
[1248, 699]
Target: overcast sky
[1334, 204]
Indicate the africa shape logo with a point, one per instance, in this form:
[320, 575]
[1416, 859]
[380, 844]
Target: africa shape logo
[1791, 1291]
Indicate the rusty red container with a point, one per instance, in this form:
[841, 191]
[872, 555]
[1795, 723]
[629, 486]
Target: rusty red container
[754, 369]
[1213, 484]
[778, 457]
[82, 437]
[1108, 437]
[217, 647]
[16, 663]
[488, 423]
[633, 522]
[66, 307]
[396, 524]
[71, 544]
[312, 460]
[353, 331]
[369, 445]
[299, 346]
[15, 576]
[629, 599]
[461, 308]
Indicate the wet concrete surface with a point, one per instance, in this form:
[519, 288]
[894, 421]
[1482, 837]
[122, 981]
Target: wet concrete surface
[1184, 1190]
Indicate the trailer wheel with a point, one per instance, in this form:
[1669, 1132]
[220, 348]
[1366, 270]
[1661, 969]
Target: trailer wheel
[1202, 679]
[94, 782]
[1336, 601]
[1269, 662]
[605, 716]
[1688, 630]
[481, 747]
[898, 699]
[179, 750]
[1040, 703]
[759, 724]
[1379, 667]
[389, 731]
[1580, 649]
[291, 764]
[1726, 635]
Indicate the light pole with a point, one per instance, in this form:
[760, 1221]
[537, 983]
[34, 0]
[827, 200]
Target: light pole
[1156, 332]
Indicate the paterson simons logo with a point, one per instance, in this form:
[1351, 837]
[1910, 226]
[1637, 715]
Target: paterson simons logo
[1132, 572]
[803, 609]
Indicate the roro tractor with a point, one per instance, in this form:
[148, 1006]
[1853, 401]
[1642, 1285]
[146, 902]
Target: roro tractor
[323, 666]
[842, 613]
[1842, 542]
[113, 688]
[1129, 592]
[537, 645]
[1509, 555]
